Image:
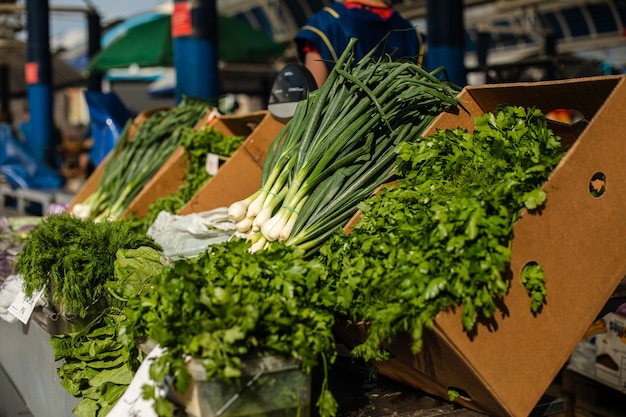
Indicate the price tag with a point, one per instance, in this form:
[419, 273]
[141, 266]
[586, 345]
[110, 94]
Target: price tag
[132, 402]
[22, 306]
[212, 163]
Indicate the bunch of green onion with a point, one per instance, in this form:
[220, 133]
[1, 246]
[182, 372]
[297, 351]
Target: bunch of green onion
[135, 160]
[338, 148]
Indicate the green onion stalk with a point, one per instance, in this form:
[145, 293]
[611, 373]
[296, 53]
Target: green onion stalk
[135, 160]
[339, 147]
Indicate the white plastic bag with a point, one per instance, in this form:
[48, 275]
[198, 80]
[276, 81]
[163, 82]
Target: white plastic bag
[186, 236]
[8, 291]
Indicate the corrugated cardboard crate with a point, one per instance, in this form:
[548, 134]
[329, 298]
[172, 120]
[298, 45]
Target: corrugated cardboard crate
[579, 240]
[169, 177]
[240, 175]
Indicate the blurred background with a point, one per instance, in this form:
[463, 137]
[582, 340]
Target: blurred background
[112, 59]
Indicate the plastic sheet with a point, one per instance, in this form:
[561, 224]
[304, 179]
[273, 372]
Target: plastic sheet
[9, 289]
[187, 236]
[21, 168]
[108, 117]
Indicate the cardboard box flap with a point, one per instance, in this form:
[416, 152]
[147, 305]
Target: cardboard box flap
[244, 126]
[439, 368]
[586, 95]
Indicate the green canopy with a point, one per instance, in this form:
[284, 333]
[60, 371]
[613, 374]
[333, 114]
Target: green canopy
[146, 41]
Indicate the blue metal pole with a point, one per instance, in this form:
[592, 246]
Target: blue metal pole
[38, 73]
[4, 87]
[194, 33]
[94, 30]
[446, 38]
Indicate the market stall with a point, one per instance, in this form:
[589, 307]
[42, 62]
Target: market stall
[397, 225]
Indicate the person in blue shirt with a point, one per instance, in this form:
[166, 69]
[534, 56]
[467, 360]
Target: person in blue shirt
[324, 37]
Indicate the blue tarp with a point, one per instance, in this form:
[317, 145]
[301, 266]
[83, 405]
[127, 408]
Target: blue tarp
[21, 168]
[108, 117]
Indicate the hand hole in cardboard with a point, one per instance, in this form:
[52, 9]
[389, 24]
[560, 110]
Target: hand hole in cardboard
[566, 116]
[459, 393]
[597, 185]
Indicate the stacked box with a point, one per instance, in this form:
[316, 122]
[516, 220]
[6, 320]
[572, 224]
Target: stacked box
[601, 354]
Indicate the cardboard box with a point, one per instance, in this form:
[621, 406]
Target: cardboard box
[169, 177]
[504, 370]
[240, 175]
[601, 354]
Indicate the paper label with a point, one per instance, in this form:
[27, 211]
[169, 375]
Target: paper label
[132, 402]
[212, 163]
[22, 306]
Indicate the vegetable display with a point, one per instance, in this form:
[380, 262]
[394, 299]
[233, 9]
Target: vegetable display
[228, 305]
[338, 148]
[134, 160]
[435, 232]
[440, 237]
[73, 259]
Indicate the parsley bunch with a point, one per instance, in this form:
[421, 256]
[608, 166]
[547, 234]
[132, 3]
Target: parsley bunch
[441, 237]
[228, 305]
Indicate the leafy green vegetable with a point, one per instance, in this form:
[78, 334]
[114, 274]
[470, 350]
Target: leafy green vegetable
[227, 305]
[74, 259]
[132, 163]
[134, 269]
[534, 280]
[439, 239]
[453, 394]
[96, 366]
